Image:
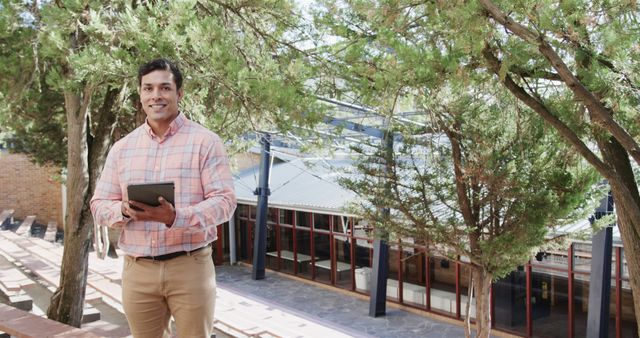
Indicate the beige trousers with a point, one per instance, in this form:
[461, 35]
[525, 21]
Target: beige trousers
[183, 287]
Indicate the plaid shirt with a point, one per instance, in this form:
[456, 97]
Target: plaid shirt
[195, 160]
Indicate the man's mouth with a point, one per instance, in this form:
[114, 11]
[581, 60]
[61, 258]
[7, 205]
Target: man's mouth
[157, 105]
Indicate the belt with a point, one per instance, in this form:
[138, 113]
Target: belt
[171, 255]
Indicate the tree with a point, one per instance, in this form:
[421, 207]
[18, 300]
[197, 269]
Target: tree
[575, 64]
[477, 175]
[84, 54]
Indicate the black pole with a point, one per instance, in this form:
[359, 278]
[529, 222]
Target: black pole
[378, 297]
[600, 278]
[262, 191]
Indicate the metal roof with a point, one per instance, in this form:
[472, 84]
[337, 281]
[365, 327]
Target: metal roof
[305, 184]
[311, 185]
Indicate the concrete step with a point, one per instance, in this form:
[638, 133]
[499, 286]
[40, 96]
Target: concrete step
[52, 230]
[25, 227]
[5, 215]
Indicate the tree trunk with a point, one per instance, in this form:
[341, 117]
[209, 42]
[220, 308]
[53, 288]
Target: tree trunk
[482, 288]
[67, 302]
[627, 205]
[615, 166]
[628, 229]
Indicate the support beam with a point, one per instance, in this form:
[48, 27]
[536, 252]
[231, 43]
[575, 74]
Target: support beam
[233, 248]
[378, 300]
[378, 297]
[260, 242]
[600, 278]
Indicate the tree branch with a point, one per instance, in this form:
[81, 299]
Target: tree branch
[544, 112]
[579, 90]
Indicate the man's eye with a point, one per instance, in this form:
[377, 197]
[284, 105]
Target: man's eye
[147, 89]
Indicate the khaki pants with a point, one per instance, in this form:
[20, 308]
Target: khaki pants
[183, 287]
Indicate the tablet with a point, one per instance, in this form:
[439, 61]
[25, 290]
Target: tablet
[148, 193]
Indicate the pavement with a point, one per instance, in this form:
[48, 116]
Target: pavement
[277, 306]
[287, 307]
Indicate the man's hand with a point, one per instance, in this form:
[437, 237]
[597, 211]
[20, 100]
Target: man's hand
[164, 213]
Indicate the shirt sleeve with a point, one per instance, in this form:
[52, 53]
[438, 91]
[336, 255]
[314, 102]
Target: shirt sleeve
[219, 194]
[107, 197]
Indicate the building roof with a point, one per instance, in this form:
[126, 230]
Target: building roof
[305, 184]
[311, 184]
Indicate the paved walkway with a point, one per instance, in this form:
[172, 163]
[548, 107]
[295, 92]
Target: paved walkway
[278, 306]
[302, 308]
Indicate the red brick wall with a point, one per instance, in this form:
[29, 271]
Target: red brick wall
[29, 189]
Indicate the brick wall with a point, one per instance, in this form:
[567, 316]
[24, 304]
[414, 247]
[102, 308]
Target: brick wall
[29, 189]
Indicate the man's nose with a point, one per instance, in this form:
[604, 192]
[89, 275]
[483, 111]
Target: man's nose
[155, 93]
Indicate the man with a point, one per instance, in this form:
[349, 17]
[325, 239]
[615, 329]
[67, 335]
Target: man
[168, 269]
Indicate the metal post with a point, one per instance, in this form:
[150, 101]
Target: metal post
[378, 300]
[600, 278]
[232, 240]
[378, 297]
[260, 243]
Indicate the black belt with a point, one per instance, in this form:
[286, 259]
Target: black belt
[172, 255]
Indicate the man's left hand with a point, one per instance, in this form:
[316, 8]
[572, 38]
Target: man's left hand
[164, 213]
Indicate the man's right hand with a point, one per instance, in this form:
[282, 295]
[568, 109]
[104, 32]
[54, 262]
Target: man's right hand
[164, 213]
[125, 209]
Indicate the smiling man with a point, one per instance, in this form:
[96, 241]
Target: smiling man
[168, 269]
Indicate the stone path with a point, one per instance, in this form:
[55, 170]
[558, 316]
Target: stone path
[278, 306]
[342, 312]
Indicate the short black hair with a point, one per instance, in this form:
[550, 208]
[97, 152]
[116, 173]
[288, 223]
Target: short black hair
[160, 64]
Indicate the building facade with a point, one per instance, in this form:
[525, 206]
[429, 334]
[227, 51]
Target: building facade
[548, 297]
[310, 236]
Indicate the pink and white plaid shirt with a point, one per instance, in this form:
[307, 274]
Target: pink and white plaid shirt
[191, 156]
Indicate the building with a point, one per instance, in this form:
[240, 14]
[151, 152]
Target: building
[311, 236]
[29, 189]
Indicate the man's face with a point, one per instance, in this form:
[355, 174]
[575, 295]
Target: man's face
[159, 96]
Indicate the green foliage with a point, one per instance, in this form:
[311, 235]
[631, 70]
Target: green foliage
[516, 179]
[240, 76]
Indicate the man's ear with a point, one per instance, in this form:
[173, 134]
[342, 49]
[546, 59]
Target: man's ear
[180, 94]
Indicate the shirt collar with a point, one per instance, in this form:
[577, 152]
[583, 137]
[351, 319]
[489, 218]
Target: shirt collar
[175, 125]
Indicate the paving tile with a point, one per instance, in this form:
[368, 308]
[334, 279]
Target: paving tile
[319, 306]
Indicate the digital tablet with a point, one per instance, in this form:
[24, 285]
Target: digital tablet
[148, 193]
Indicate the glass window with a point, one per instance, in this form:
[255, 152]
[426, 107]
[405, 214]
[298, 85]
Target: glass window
[272, 217]
[414, 289]
[557, 259]
[442, 275]
[244, 240]
[303, 245]
[363, 262]
[286, 250]
[549, 301]
[322, 255]
[321, 222]
[342, 252]
[629, 327]
[393, 289]
[581, 306]
[465, 275]
[582, 257]
[272, 247]
[341, 225]
[509, 297]
[243, 210]
[252, 212]
[303, 219]
[286, 216]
